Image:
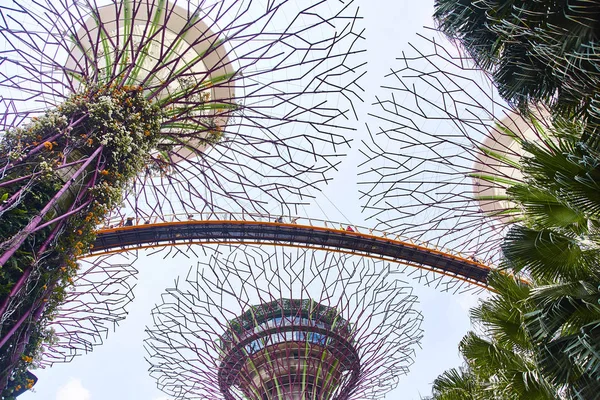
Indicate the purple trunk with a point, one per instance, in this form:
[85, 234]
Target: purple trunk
[31, 227]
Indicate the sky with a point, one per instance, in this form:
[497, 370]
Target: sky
[117, 369]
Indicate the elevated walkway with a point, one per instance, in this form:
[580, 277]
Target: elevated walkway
[214, 228]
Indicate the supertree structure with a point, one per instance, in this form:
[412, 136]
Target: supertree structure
[258, 323]
[443, 149]
[139, 108]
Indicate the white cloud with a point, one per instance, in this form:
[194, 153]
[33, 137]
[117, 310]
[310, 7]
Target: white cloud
[73, 390]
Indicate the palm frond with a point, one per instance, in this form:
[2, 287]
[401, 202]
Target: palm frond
[547, 254]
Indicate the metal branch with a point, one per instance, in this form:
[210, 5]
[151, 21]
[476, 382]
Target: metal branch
[441, 153]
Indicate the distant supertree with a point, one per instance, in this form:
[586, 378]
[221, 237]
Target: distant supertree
[258, 323]
[443, 149]
[207, 106]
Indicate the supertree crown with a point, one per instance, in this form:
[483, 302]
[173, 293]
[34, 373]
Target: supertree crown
[144, 108]
[266, 88]
[443, 149]
[279, 324]
[176, 58]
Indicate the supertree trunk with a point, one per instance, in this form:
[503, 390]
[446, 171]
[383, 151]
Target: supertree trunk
[76, 160]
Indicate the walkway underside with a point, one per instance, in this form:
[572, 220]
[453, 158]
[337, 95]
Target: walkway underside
[205, 232]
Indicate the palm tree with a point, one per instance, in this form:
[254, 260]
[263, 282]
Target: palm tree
[566, 330]
[504, 355]
[501, 360]
[535, 50]
[557, 245]
[540, 334]
[458, 384]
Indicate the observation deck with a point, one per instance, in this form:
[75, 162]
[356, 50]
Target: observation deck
[288, 350]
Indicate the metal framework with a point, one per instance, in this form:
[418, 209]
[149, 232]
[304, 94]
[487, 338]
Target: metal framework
[93, 306]
[442, 151]
[256, 323]
[215, 106]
